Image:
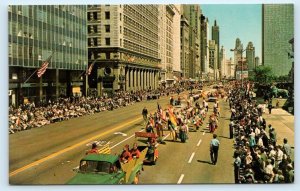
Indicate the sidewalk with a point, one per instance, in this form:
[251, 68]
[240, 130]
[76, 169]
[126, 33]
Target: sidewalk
[283, 122]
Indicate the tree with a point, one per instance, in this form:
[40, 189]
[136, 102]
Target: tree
[263, 74]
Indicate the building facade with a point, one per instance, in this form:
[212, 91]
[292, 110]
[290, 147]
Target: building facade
[35, 33]
[185, 48]
[176, 41]
[213, 60]
[215, 35]
[223, 68]
[204, 46]
[257, 61]
[126, 52]
[230, 69]
[250, 58]
[277, 30]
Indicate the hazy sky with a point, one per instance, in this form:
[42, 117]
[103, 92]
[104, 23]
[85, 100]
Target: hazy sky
[236, 21]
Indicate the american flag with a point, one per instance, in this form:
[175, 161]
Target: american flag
[43, 69]
[89, 70]
[44, 66]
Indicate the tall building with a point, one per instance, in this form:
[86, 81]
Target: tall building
[123, 42]
[192, 13]
[238, 51]
[215, 35]
[222, 57]
[204, 46]
[257, 62]
[185, 48]
[176, 41]
[230, 69]
[213, 60]
[166, 43]
[250, 57]
[277, 30]
[35, 33]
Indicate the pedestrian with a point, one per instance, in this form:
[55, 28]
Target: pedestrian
[214, 149]
[237, 163]
[272, 135]
[145, 115]
[270, 106]
[286, 147]
[231, 126]
[172, 130]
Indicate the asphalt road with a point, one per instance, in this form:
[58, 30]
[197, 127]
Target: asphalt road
[47, 155]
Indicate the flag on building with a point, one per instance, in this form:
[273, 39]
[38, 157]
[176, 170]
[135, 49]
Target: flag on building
[89, 70]
[44, 66]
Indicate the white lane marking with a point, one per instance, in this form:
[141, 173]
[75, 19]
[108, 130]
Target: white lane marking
[191, 158]
[124, 140]
[164, 138]
[199, 142]
[203, 133]
[77, 167]
[180, 179]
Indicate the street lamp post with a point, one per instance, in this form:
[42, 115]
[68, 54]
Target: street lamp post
[241, 51]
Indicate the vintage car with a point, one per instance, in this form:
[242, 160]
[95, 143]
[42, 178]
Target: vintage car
[107, 169]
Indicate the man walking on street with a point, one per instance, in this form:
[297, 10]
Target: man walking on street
[214, 149]
[145, 115]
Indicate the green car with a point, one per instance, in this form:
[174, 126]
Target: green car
[107, 169]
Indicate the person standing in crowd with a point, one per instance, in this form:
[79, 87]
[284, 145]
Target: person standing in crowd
[145, 115]
[272, 135]
[231, 126]
[270, 106]
[286, 147]
[172, 130]
[214, 149]
[237, 163]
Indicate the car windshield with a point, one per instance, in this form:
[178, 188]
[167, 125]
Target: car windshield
[95, 167]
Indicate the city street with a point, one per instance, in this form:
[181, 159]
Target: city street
[53, 151]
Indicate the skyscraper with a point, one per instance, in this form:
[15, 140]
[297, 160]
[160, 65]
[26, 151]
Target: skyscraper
[36, 32]
[222, 57]
[125, 46]
[185, 48]
[277, 30]
[213, 60]
[250, 57]
[216, 37]
[204, 45]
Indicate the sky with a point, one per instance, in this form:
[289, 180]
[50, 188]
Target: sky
[241, 21]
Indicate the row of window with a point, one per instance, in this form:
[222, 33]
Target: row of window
[138, 48]
[49, 14]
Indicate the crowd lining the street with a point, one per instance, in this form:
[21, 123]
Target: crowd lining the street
[31, 115]
[258, 158]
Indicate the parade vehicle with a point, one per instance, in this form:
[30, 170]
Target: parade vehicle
[212, 98]
[151, 156]
[103, 168]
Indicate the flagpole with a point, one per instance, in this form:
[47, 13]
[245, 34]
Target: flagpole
[30, 76]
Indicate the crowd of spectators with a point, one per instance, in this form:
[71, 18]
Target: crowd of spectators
[31, 115]
[258, 158]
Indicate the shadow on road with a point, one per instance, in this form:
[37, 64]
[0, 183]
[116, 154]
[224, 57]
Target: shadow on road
[224, 137]
[202, 161]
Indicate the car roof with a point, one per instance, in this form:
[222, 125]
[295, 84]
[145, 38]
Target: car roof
[101, 157]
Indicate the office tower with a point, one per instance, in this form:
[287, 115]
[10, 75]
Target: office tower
[35, 33]
[277, 30]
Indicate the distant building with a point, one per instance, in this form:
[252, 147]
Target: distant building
[250, 57]
[185, 48]
[213, 60]
[216, 37]
[230, 69]
[34, 33]
[222, 57]
[204, 46]
[238, 51]
[257, 61]
[277, 30]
